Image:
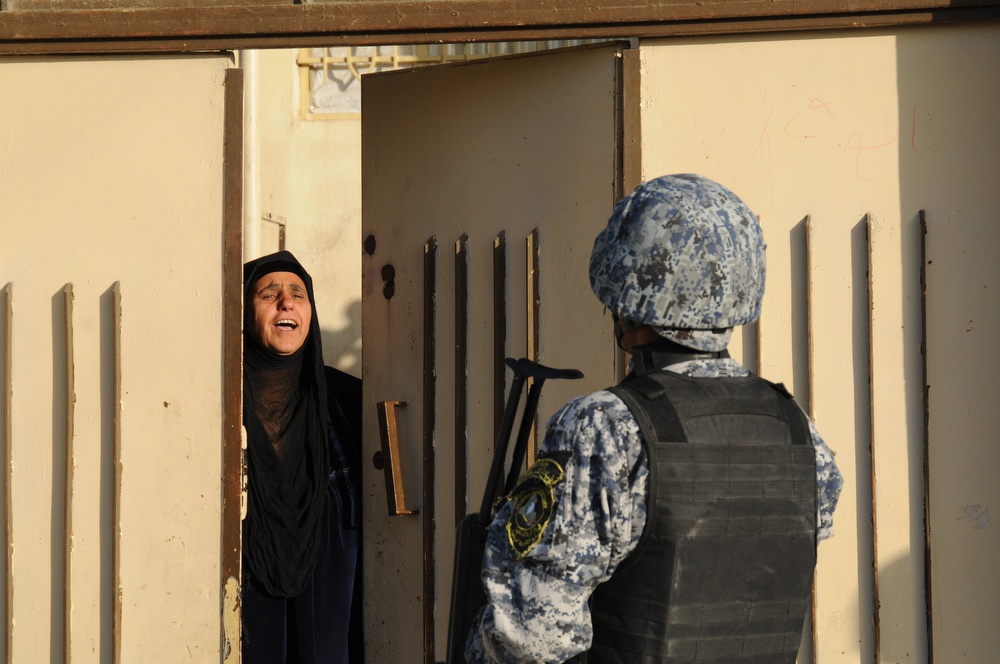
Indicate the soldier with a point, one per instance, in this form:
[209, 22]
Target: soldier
[675, 516]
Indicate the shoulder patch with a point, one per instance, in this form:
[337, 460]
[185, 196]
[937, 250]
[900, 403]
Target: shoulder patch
[534, 502]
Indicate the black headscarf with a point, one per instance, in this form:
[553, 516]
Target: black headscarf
[284, 412]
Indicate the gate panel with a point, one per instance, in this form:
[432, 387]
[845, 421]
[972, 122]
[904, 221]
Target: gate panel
[842, 143]
[949, 172]
[484, 187]
[111, 204]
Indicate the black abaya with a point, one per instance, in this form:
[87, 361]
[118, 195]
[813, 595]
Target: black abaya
[302, 532]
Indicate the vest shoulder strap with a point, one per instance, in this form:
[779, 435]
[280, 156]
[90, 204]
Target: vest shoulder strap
[665, 421]
[797, 423]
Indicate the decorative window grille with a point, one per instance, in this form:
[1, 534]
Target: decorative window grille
[330, 78]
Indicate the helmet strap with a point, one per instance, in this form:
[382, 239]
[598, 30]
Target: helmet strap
[663, 352]
[621, 327]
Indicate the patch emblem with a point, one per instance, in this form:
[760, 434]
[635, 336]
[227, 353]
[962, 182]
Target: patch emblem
[533, 503]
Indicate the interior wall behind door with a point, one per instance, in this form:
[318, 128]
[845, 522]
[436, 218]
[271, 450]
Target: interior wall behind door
[111, 281]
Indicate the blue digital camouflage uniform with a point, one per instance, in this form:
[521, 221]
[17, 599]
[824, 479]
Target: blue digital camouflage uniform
[686, 256]
[537, 595]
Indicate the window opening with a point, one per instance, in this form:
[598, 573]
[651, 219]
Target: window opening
[330, 78]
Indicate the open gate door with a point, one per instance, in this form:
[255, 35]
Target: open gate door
[484, 185]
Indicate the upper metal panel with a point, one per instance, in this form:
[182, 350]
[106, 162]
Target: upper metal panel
[47, 26]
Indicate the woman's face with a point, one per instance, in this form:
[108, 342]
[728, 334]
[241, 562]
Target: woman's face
[281, 312]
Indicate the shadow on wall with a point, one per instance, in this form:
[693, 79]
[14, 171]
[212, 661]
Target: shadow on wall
[342, 346]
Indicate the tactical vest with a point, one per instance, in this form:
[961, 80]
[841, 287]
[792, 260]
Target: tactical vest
[723, 570]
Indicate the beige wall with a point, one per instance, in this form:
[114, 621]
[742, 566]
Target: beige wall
[111, 176]
[859, 132]
[310, 175]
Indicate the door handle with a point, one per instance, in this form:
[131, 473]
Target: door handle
[389, 458]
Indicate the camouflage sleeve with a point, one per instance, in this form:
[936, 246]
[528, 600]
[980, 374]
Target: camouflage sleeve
[829, 483]
[571, 520]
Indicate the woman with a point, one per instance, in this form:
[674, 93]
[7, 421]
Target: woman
[301, 536]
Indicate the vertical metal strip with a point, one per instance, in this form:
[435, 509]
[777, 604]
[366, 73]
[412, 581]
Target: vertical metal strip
[232, 370]
[8, 414]
[869, 231]
[461, 377]
[926, 433]
[499, 331]
[811, 393]
[533, 300]
[629, 122]
[628, 117]
[70, 472]
[810, 344]
[116, 438]
[429, 368]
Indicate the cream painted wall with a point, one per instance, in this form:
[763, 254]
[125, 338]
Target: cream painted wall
[310, 175]
[859, 132]
[949, 164]
[836, 127]
[772, 119]
[111, 172]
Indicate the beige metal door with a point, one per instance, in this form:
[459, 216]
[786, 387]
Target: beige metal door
[111, 415]
[484, 185]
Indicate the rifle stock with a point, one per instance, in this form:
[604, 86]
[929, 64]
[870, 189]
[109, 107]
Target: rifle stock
[467, 593]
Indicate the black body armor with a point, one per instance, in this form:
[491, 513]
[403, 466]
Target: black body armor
[723, 571]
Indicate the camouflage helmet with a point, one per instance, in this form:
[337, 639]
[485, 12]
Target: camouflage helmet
[684, 255]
